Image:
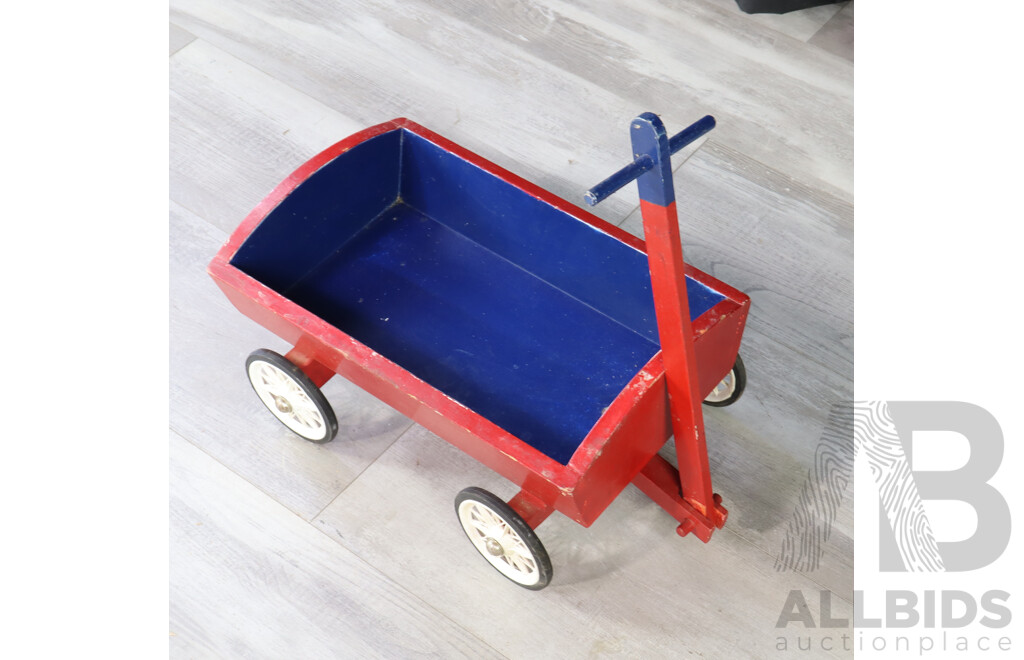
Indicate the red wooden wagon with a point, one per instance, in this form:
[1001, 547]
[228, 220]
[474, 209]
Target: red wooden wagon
[555, 348]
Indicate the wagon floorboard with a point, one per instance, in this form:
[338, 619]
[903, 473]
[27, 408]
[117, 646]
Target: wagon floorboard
[280, 548]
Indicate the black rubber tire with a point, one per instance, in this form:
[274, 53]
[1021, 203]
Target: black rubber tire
[303, 381]
[740, 374]
[515, 521]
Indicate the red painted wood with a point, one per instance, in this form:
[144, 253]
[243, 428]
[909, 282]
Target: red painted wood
[660, 481]
[532, 509]
[717, 340]
[632, 430]
[300, 356]
[668, 284]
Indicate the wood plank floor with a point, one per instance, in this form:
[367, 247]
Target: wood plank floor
[281, 548]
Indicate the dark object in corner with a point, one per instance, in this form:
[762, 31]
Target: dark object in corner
[779, 6]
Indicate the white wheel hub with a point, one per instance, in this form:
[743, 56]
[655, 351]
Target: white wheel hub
[724, 389]
[287, 400]
[499, 544]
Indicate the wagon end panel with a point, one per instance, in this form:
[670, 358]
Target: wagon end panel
[256, 302]
[718, 334]
[285, 188]
[630, 433]
[323, 212]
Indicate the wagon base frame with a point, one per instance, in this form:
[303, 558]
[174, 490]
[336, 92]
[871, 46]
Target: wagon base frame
[659, 480]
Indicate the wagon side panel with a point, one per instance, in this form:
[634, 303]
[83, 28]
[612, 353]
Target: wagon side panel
[425, 405]
[498, 450]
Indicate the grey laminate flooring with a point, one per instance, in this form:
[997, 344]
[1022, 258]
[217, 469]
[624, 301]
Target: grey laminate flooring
[285, 549]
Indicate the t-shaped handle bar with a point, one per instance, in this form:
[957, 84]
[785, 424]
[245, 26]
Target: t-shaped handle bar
[644, 162]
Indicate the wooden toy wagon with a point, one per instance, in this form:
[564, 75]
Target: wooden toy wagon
[555, 348]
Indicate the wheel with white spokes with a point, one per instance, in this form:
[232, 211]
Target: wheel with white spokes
[291, 396]
[728, 391]
[503, 538]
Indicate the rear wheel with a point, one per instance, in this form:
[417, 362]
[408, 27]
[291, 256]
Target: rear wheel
[503, 538]
[291, 396]
[729, 390]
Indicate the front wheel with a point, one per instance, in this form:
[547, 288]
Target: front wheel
[503, 538]
[731, 388]
[291, 396]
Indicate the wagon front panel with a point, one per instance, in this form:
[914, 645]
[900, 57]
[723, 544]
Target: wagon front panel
[628, 435]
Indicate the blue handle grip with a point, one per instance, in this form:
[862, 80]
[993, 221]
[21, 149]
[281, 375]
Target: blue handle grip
[630, 172]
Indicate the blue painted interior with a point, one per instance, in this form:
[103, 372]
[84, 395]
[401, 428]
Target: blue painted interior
[326, 210]
[530, 317]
